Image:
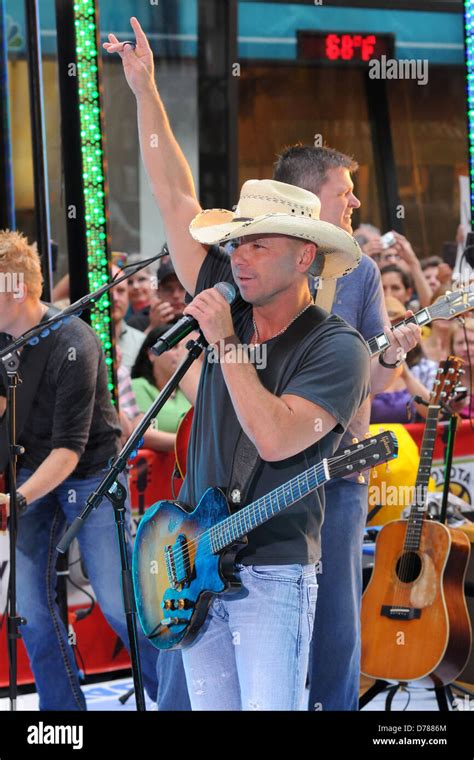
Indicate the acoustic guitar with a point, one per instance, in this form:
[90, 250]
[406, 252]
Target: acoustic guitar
[182, 558]
[415, 624]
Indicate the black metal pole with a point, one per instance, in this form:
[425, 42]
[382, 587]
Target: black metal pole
[14, 621]
[449, 450]
[7, 200]
[35, 80]
[218, 81]
[385, 166]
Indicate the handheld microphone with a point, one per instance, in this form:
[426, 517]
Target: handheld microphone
[187, 324]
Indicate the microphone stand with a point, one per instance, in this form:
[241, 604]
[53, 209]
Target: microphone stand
[114, 491]
[9, 365]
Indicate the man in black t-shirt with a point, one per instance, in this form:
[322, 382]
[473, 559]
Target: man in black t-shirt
[69, 434]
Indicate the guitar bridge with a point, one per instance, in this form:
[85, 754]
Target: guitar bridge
[400, 613]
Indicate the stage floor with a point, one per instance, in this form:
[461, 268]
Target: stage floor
[105, 696]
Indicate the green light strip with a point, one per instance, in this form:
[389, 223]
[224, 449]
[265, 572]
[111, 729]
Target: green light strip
[469, 37]
[93, 170]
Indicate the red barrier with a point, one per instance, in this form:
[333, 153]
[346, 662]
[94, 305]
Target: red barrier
[150, 479]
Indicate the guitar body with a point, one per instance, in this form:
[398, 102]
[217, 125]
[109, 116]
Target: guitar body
[417, 629]
[185, 607]
[183, 435]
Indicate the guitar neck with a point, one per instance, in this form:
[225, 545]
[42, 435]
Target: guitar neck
[258, 512]
[380, 342]
[418, 507]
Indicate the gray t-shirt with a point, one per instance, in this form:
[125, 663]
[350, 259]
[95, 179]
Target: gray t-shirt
[359, 301]
[330, 367]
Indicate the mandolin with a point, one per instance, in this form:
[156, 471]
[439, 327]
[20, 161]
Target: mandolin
[415, 624]
[182, 558]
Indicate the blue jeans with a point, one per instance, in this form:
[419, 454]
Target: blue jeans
[252, 651]
[335, 651]
[45, 636]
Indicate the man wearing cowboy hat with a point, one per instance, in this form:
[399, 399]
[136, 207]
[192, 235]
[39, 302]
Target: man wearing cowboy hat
[277, 239]
[252, 651]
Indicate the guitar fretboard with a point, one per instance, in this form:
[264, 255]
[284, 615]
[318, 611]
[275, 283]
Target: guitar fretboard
[380, 342]
[239, 524]
[418, 507]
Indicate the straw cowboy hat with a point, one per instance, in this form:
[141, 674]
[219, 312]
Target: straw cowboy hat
[267, 206]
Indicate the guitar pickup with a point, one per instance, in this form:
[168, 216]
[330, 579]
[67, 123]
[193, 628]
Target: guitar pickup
[400, 613]
[178, 562]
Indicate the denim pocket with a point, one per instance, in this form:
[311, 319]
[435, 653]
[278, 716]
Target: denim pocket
[276, 572]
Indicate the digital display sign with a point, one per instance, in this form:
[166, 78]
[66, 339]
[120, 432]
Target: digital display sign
[343, 47]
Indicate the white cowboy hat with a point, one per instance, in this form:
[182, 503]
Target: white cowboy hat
[267, 206]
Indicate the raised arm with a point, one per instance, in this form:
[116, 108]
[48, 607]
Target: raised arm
[168, 171]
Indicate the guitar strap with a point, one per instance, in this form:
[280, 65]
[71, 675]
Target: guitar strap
[32, 366]
[246, 459]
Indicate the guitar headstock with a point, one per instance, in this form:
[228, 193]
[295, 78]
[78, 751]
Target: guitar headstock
[452, 304]
[447, 379]
[364, 455]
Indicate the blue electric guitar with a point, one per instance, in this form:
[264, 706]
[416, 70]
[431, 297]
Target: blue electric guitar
[181, 558]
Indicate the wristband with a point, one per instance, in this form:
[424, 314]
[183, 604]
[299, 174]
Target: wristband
[391, 366]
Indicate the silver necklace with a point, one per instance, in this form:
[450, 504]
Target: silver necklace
[255, 328]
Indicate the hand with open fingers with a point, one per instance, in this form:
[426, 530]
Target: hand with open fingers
[404, 249]
[402, 340]
[137, 57]
[213, 313]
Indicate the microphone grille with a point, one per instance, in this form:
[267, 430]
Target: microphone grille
[227, 290]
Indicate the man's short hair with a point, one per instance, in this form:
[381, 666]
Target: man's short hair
[431, 261]
[307, 166]
[18, 257]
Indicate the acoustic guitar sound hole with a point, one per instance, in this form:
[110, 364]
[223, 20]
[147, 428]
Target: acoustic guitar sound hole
[408, 567]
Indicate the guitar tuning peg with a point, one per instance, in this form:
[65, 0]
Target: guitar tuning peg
[373, 473]
[387, 467]
[367, 435]
[361, 479]
[355, 440]
[381, 430]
